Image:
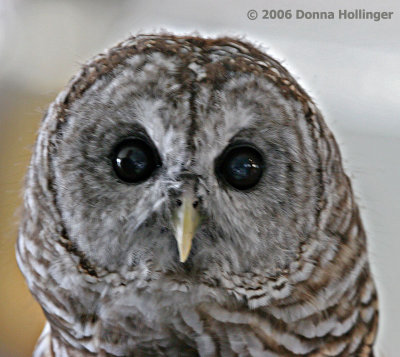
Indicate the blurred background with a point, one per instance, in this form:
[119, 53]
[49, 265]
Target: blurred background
[351, 68]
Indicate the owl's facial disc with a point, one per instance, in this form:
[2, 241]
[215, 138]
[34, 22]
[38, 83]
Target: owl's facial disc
[185, 221]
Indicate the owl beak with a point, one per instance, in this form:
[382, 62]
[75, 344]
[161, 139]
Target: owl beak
[186, 220]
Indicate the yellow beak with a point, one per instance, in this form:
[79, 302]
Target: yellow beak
[186, 220]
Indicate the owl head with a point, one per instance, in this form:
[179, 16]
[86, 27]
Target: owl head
[190, 159]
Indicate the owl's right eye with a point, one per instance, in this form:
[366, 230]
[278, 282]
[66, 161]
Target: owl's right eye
[134, 160]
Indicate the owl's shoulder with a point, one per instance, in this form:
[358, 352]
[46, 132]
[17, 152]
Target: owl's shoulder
[43, 345]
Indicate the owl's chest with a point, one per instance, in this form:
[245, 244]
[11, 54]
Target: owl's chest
[173, 323]
[155, 326]
[179, 324]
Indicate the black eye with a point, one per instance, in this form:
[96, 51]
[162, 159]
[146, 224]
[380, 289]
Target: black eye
[241, 166]
[134, 160]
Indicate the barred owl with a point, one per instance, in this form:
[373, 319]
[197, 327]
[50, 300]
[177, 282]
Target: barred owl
[186, 198]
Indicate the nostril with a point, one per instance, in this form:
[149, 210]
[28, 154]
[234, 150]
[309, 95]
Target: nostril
[195, 204]
[178, 202]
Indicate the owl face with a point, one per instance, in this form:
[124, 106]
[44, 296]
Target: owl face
[186, 168]
[185, 197]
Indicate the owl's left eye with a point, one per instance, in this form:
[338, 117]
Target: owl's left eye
[241, 166]
[134, 160]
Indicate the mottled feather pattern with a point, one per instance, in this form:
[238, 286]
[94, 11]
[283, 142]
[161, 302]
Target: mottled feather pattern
[281, 270]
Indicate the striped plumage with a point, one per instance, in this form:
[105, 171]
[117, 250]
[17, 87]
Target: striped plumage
[281, 270]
